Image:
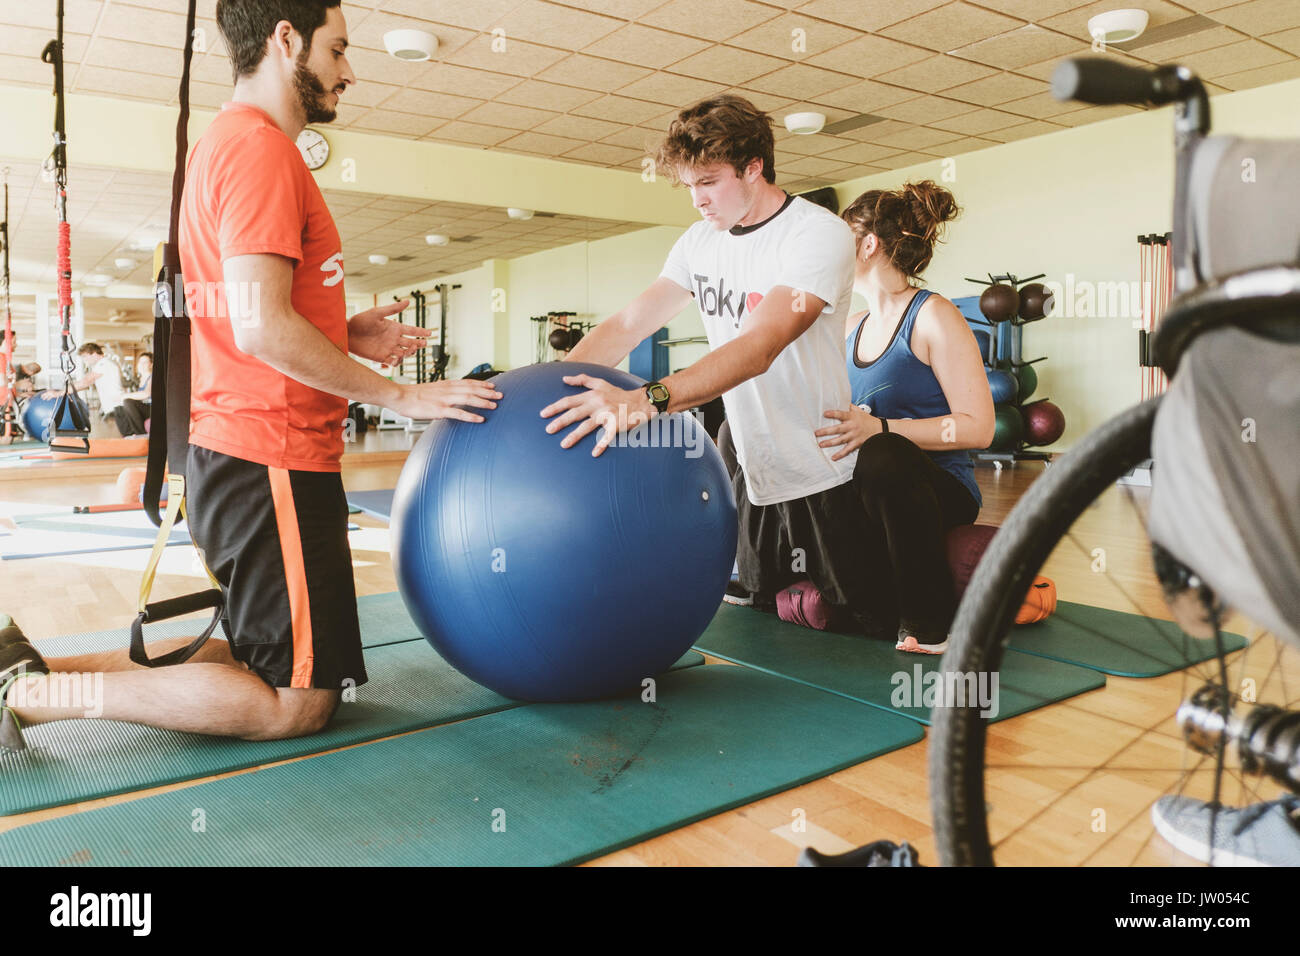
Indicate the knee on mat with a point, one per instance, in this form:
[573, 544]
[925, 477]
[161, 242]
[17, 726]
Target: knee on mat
[302, 713]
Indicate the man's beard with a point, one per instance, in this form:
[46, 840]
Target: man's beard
[312, 94]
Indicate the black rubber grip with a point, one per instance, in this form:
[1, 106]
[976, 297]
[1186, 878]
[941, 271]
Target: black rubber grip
[175, 607]
[1103, 81]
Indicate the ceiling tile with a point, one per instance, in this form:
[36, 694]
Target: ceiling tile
[715, 20]
[727, 65]
[578, 127]
[1234, 58]
[793, 37]
[619, 109]
[591, 72]
[368, 94]
[1094, 114]
[547, 96]
[139, 57]
[867, 16]
[1288, 40]
[917, 138]
[951, 26]
[1263, 76]
[1023, 131]
[94, 79]
[603, 153]
[866, 96]
[936, 73]
[868, 56]
[79, 16]
[861, 153]
[540, 143]
[924, 109]
[645, 46]
[978, 122]
[1029, 44]
[515, 57]
[447, 78]
[635, 138]
[1040, 106]
[995, 89]
[479, 15]
[627, 9]
[154, 27]
[669, 89]
[1259, 17]
[547, 23]
[440, 105]
[802, 82]
[502, 114]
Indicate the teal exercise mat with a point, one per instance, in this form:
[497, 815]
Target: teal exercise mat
[872, 672]
[376, 503]
[538, 785]
[1115, 642]
[383, 617]
[68, 761]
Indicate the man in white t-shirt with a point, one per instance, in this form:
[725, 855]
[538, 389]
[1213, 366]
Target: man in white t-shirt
[772, 276]
[105, 375]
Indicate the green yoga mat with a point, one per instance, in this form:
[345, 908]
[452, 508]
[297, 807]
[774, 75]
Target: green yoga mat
[410, 688]
[873, 672]
[542, 784]
[1115, 642]
[383, 618]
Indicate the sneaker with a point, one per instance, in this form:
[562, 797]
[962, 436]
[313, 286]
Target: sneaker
[737, 595]
[880, 853]
[909, 644]
[17, 657]
[1262, 834]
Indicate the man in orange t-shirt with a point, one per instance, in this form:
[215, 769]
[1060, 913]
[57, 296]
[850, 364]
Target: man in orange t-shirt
[263, 268]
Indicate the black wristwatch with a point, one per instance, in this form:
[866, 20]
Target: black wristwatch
[657, 392]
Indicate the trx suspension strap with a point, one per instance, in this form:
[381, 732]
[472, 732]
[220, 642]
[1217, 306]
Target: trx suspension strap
[169, 431]
[9, 430]
[70, 424]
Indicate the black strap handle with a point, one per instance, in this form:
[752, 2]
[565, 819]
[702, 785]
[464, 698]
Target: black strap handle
[175, 607]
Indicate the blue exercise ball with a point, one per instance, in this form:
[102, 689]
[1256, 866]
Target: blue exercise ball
[545, 574]
[1003, 385]
[39, 413]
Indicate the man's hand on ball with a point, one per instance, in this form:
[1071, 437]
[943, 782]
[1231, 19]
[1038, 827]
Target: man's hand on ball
[603, 406]
[855, 426]
[446, 399]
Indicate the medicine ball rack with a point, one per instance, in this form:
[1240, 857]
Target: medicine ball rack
[1005, 350]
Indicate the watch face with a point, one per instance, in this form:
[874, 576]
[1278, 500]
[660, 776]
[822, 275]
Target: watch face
[658, 393]
[314, 148]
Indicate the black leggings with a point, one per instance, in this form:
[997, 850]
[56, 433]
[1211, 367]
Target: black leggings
[913, 503]
[129, 417]
[908, 504]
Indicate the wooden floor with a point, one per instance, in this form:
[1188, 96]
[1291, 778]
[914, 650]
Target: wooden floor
[1069, 784]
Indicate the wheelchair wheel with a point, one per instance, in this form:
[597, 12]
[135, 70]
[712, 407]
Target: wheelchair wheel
[991, 791]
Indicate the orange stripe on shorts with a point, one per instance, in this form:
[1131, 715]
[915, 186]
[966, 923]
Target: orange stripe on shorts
[295, 575]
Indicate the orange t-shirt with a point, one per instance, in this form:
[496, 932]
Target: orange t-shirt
[248, 192]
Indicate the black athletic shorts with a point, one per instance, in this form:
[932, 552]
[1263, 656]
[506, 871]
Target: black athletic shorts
[277, 541]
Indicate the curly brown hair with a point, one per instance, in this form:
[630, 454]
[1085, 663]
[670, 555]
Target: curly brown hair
[722, 129]
[906, 221]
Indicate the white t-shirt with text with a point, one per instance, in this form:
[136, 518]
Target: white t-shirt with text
[773, 416]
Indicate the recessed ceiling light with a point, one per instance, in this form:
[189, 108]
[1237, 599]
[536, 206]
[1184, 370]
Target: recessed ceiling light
[437, 239]
[1118, 26]
[523, 215]
[412, 45]
[379, 260]
[124, 263]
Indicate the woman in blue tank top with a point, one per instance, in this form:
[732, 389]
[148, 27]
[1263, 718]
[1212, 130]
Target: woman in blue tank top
[921, 401]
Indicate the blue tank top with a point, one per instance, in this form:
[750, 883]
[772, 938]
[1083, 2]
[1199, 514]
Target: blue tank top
[899, 385]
